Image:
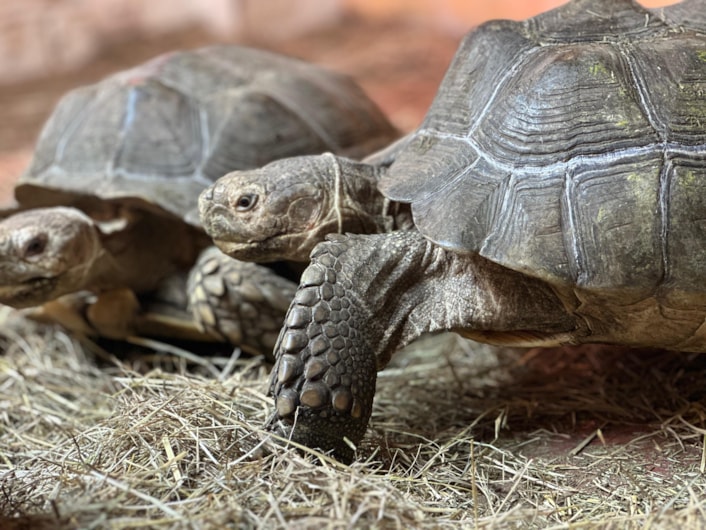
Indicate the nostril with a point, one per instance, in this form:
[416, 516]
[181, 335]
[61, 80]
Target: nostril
[207, 194]
[219, 193]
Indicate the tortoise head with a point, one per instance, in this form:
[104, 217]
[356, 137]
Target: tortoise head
[45, 253]
[282, 210]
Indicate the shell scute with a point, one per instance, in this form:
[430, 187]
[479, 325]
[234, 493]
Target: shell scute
[581, 159]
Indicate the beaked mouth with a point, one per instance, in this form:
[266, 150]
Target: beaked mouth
[28, 293]
[244, 251]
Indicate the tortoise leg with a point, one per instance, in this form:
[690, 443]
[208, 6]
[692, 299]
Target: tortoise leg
[362, 298]
[244, 303]
[324, 378]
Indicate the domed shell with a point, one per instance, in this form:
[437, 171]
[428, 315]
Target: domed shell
[571, 147]
[158, 134]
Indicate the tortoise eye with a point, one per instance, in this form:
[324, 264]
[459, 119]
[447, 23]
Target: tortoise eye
[35, 246]
[246, 202]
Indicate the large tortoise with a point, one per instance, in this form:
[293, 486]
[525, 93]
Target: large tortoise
[109, 200]
[558, 190]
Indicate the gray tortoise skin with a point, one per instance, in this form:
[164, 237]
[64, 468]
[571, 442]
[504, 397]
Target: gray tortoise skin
[109, 201]
[558, 190]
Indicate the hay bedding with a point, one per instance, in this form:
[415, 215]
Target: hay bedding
[462, 436]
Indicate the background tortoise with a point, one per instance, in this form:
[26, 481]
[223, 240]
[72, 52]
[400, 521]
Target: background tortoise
[115, 177]
[558, 185]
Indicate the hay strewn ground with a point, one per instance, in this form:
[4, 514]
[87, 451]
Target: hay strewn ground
[462, 436]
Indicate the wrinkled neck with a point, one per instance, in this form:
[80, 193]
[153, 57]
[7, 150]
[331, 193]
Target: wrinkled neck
[357, 205]
[105, 273]
[144, 252]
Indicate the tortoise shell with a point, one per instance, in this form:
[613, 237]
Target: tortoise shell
[156, 135]
[571, 147]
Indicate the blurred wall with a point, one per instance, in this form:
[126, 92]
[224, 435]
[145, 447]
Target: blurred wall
[41, 37]
[459, 15]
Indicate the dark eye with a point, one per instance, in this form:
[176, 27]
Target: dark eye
[35, 246]
[245, 202]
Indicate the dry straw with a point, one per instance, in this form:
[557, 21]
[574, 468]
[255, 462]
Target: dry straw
[462, 436]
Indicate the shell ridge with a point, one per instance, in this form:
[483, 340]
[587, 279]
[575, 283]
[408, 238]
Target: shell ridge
[600, 12]
[83, 112]
[689, 14]
[520, 59]
[200, 175]
[643, 98]
[497, 227]
[664, 200]
[572, 236]
[129, 113]
[295, 109]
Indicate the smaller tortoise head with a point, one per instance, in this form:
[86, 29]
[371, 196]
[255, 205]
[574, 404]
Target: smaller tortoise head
[282, 210]
[45, 253]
